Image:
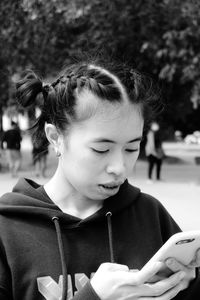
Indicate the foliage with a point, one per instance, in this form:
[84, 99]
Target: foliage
[160, 37]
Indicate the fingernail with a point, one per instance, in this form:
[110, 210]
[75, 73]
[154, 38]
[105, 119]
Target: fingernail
[181, 275]
[170, 261]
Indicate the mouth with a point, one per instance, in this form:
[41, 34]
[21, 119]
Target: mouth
[111, 186]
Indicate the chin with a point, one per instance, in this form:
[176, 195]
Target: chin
[96, 197]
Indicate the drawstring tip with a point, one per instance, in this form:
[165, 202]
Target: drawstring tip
[109, 214]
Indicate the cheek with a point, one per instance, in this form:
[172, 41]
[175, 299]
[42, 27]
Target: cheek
[83, 163]
[131, 161]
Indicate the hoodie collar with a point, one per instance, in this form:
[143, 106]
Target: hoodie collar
[27, 199]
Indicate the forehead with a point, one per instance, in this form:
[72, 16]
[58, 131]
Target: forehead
[120, 122]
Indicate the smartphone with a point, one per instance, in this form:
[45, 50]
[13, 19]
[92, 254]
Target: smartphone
[182, 246]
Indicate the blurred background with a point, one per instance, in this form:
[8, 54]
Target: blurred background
[157, 37]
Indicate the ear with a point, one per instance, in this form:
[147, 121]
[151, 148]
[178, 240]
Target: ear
[53, 136]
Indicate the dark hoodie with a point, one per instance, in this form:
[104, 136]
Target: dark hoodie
[40, 245]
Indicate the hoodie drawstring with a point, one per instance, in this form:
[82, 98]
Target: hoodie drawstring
[110, 236]
[62, 256]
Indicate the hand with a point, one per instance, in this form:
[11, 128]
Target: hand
[189, 270]
[116, 282]
[196, 260]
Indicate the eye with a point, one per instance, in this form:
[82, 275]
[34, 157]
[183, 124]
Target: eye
[99, 151]
[131, 150]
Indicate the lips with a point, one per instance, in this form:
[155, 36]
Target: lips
[111, 185]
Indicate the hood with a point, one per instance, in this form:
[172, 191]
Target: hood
[27, 200]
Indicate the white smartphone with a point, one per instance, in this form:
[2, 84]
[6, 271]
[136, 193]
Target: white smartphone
[182, 246]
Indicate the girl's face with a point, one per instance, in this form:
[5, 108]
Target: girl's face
[99, 153]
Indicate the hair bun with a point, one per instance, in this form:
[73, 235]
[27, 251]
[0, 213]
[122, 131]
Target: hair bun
[28, 88]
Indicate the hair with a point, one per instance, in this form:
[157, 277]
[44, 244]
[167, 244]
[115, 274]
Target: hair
[59, 99]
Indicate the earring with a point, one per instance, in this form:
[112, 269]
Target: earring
[58, 154]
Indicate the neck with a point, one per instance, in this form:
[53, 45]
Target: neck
[62, 193]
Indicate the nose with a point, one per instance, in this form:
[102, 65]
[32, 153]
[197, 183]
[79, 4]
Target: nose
[117, 166]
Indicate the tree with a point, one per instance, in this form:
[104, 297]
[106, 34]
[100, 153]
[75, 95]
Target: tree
[177, 61]
[159, 37]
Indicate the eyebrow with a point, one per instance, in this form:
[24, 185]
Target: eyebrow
[102, 140]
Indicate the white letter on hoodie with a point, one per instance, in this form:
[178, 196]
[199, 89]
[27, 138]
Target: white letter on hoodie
[51, 290]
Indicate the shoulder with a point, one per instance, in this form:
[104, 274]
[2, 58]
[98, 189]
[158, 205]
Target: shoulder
[149, 205]
[148, 214]
[150, 202]
[153, 208]
[141, 200]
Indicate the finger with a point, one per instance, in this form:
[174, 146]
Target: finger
[170, 294]
[134, 270]
[161, 287]
[174, 265]
[143, 275]
[196, 261]
[113, 267]
[174, 291]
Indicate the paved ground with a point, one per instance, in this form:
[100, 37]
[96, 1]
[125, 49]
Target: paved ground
[179, 191]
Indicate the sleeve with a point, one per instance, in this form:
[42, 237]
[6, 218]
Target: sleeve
[5, 278]
[86, 293]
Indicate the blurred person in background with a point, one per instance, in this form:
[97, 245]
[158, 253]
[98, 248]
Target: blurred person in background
[154, 151]
[1, 151]
[11, 142]
[39, 153]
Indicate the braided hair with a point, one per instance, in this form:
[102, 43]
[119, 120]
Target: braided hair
[59, 105]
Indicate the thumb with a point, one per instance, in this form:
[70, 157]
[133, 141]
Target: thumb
[114, 267]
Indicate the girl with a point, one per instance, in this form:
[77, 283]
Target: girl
[82, 234]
